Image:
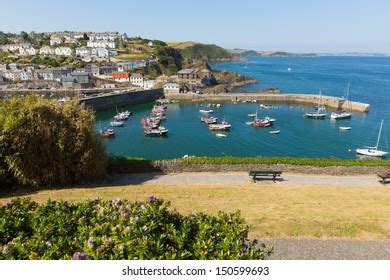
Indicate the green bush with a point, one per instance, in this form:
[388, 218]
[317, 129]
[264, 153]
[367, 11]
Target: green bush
[43, 143]
[119, 229]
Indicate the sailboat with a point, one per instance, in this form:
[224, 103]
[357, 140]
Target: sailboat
[261, 122]
[319, 111]
[373, 151]
[343, 114]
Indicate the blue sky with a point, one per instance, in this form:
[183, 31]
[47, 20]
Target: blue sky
[300, 25]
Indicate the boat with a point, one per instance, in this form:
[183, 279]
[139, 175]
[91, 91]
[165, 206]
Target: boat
[373, 151]
[108, 133]
[252, 115]
[249, 123]
[288, 69]
[271, 120]
[343, 114]
[117, 123]
[260, 122]
[206, 112]
[265, 106]
[275, 132]
[319, 111]
[220, 135]
[345, 128]
[211, 120]
[220, 126]
[160, 131]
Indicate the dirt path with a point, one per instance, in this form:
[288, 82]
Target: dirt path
[242, 178]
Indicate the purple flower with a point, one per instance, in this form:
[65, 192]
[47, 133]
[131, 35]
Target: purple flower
[48, 243]
[151, 197]
[90, 242]
[79, 256]
[124, 215]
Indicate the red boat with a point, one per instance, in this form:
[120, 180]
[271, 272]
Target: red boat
[259, 123]
[108, 133]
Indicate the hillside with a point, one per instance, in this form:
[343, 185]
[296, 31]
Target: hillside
[197, 51]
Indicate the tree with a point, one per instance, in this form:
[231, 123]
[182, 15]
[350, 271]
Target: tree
[85, 37]
[24, 35]
[45, 144]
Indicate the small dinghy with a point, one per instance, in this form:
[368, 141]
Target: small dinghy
[220, 135]
[344, 128]
[274, 131]
[249, 123]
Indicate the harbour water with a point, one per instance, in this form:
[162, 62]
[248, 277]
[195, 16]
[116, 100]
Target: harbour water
[299, 137]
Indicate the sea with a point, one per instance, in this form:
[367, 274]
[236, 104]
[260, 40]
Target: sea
[369, 79]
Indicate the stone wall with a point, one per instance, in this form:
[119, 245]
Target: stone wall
[110, 101]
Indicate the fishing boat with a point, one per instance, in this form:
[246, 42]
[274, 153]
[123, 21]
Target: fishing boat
[206, 112]
[319, 111]
[343, 114]
[120, 117]
[211, 120]
[345, 128]
[160, 131]
[220, 126]
[117, 123]
[373, 151]
[260, 122]
[108, 133]
[275, 132]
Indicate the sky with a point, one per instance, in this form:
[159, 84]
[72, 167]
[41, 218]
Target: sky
[284, 25]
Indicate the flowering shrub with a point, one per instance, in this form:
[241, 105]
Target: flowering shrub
[118, 229]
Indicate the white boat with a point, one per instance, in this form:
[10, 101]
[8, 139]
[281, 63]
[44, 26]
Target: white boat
[117, 123]
[206, 111]
[249, 123]
[373, 151]
[160, 131]
[345, 128]
[220, 135]
[288, 69]
[343, 114]
[319, 111]
[271, 120]
[265, 106]
[275, 132]
[252, 115]
[220, 127]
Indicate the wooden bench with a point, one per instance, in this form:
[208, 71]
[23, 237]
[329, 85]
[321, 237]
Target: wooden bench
[264, 175]
[385, 178]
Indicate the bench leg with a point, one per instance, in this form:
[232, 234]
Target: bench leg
[254, 179]
[274, 178]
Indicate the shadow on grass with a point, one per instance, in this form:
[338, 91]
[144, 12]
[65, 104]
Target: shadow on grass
[120, 171]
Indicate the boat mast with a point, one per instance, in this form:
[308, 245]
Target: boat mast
[379, 135]
[319, 103]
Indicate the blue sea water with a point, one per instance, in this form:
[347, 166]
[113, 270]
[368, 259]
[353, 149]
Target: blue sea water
[299, 137]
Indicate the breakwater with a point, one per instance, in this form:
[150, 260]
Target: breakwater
[111, 100]
[271, 97]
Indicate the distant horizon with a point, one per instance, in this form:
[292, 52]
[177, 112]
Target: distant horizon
[300, 26]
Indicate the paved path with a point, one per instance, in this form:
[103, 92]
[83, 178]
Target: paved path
[242, 178]
[329, 249]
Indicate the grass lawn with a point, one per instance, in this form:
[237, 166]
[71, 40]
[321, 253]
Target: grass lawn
[272, 211]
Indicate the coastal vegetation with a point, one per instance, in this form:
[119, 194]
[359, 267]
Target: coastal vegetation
[196, 51]
[118, 229]
[44, 143]
[271, 210]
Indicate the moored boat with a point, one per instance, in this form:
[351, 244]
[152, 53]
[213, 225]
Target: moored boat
[160, 131]
[108, 133]
[274, 132]
[373, 151]
[220, 127]
[319, 111]
[206, 112]
[345, 128]
[117, 123]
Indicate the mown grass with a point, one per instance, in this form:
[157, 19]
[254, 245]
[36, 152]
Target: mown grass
[272, 211]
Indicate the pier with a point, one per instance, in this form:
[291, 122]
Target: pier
[292, 98]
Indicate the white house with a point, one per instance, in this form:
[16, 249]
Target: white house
[83, 52]
[100, 52]
[54, 40]
[46, 50]
[137, 79]
[171, 88]
[63, 51]
[27, 51]
[149, 84]
[101, 44]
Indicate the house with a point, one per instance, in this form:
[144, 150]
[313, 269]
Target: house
[171, 88]
[54, 40]
[100, 44]
[75, 80]
[120, 76]
[83, 52]
[92, 69]
[195, 76]
[80, 77]
[46, 50]
[45, 74]
[137, 79]
[100, 52]
[162, 79]
[108, 69]
[27, 51]
[59, 73]
[149, 84]
[187, 74]
[150, 44]
[63, 51]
